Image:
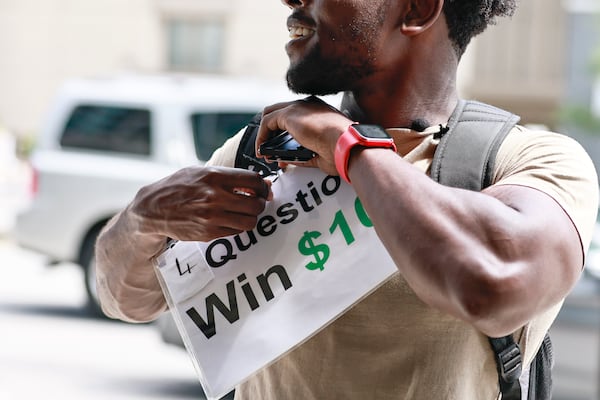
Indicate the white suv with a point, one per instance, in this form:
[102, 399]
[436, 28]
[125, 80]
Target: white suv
[105, 138]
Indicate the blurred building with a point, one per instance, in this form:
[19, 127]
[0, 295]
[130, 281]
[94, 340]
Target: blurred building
[540, 62]
[44, 42]
[582, 77]
[522, 65]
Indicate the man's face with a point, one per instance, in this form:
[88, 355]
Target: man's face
[334, 44]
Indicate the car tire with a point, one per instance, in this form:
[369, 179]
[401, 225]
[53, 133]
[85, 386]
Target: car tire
[87, 261]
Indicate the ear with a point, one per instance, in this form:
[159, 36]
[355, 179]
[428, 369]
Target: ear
[420, 15]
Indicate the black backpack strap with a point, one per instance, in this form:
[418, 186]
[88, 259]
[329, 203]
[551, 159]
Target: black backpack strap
[467, 150]
[246, 155]
[509, 365]
[465, 159]
[540, 372]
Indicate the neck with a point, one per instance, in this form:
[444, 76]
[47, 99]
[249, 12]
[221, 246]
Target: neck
[410, 89]
[399, 103]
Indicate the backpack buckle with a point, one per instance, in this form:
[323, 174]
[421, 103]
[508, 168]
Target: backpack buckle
[509, 362]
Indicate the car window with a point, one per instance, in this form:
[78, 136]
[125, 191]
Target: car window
[212, 129]
[108, 128]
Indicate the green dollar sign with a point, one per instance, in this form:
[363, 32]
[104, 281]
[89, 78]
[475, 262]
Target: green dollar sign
[307, 247]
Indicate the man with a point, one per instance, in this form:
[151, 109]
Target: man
[471, 264]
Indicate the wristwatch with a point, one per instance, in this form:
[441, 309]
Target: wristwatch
[359, 135]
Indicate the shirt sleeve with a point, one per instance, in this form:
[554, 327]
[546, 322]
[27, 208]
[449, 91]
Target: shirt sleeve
[224, 156]
[556, 165]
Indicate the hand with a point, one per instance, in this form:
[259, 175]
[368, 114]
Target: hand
[312, 122]
[201, 203]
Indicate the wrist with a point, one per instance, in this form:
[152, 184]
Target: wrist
[142, 233]
[356, 137]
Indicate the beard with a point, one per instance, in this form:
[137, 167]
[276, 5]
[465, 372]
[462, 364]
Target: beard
[319, 75]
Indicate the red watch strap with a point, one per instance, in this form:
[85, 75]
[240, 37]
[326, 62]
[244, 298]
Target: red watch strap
[342, 153]
[348, 140]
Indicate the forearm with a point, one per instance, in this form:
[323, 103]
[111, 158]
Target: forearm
[127, 285]
[493, 259]
[193, 204]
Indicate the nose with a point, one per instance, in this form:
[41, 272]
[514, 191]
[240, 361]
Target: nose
[294, 3]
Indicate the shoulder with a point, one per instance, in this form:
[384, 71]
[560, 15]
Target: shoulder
[555, 164]
[225, 155]
[525, 152]
[524, 139]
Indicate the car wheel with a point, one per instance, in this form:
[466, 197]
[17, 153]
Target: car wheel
[88, 262]
[168, 330]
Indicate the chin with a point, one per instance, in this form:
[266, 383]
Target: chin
[314, 87]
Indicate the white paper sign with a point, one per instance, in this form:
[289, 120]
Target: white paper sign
[243, 301]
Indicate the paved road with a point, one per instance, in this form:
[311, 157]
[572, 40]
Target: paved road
[50, 349]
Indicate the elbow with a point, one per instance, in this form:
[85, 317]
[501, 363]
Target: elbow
[130, 306]
[127, 289]
[133, 314]
[130, 303]
[493, 302]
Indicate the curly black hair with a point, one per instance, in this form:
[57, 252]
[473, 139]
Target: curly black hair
[468, 18]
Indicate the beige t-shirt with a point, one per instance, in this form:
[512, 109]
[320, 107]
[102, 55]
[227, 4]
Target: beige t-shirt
[392, 345]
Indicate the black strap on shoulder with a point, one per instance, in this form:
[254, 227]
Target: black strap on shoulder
[465, 159]
[509, 365]
[467, 150]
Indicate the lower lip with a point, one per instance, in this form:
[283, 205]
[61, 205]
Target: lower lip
[299, 41]
[300, 38]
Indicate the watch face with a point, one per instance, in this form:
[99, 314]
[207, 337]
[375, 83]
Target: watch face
[371, 131]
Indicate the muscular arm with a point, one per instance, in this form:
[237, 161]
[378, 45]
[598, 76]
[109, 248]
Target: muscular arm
[494, 258]
[196, 204]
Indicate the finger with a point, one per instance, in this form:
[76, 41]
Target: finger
[269, 185]
[205, 227]
[202, 235]
[246, 183]
[242, 222]
[272, 121]
[244, 205]
[277, 106]
[228, 221]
